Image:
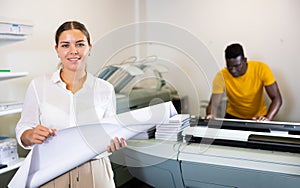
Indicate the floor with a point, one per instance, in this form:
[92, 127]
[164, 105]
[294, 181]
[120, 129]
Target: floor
[136, 184]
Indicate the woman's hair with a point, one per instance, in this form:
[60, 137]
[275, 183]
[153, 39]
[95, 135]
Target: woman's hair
[69, 26]
[233, 51]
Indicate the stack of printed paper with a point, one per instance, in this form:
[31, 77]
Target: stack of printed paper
[172, 130]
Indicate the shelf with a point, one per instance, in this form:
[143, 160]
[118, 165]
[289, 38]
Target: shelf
[13, 32]
[13, 165]
[12, 28]
[4, 37]
[11, 75]
[6, 109]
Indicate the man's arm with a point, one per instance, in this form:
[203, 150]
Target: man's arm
[274, 94]
[212, 108]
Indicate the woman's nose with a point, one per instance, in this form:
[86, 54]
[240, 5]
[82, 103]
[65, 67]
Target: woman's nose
[73, 49]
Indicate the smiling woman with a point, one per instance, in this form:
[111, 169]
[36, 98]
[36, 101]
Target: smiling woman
[70, 97]
[73, 47]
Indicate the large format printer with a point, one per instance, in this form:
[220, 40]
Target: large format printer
[215, 153]
[137, 84]
[220, 153]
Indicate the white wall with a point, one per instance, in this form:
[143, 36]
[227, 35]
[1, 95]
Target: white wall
[269, 30]
[36, 55]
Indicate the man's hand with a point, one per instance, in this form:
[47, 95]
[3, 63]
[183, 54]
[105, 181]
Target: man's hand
[261, 118]
[210, 116]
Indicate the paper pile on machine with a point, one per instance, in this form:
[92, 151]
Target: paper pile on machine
[172, 131]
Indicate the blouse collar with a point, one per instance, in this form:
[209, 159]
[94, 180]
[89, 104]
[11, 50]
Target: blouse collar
[57, 79]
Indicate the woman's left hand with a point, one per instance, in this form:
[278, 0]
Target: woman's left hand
[116, 144]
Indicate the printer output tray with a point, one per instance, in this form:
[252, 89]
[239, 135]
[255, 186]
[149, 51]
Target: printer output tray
[274, 136]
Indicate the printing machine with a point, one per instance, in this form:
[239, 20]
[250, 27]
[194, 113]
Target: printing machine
[241, 153]
[220, 153]
[127, 74]
[275, 136]
[140, 98]
[214, 153]
[124, 76]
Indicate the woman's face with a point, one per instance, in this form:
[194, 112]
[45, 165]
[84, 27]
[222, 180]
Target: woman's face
[73, 49]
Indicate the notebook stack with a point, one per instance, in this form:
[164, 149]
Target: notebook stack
[172, 131]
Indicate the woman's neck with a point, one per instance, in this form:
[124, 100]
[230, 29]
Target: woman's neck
[73, 79]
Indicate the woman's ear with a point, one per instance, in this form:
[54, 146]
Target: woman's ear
[90, 50]
[55, 48]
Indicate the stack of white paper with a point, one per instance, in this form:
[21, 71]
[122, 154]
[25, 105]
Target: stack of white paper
[172, 130]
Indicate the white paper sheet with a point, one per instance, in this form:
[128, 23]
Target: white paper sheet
[73, 146]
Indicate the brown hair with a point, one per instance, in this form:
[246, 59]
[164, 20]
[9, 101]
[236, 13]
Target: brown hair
[69, 26]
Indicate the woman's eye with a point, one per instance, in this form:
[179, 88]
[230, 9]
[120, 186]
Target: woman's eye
[80, 44]
[64, 45]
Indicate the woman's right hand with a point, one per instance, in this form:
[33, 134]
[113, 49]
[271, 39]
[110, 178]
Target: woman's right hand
[36, 135]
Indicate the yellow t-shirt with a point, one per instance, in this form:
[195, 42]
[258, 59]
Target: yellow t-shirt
[245, 94]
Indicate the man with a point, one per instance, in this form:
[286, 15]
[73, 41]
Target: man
[244, 82]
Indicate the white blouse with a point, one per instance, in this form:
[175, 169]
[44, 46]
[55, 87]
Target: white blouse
[49, 103]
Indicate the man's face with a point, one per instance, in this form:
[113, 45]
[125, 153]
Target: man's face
[237, 66]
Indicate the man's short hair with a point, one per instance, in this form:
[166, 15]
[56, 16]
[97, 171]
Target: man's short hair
[234, 51]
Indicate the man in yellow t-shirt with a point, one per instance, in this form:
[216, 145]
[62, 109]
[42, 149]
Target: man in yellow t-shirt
[244, 82]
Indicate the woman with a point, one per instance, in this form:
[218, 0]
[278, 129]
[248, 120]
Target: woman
[69, 97]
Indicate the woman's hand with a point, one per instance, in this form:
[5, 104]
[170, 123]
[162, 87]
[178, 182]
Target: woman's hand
[116, 144]
[36, 135]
